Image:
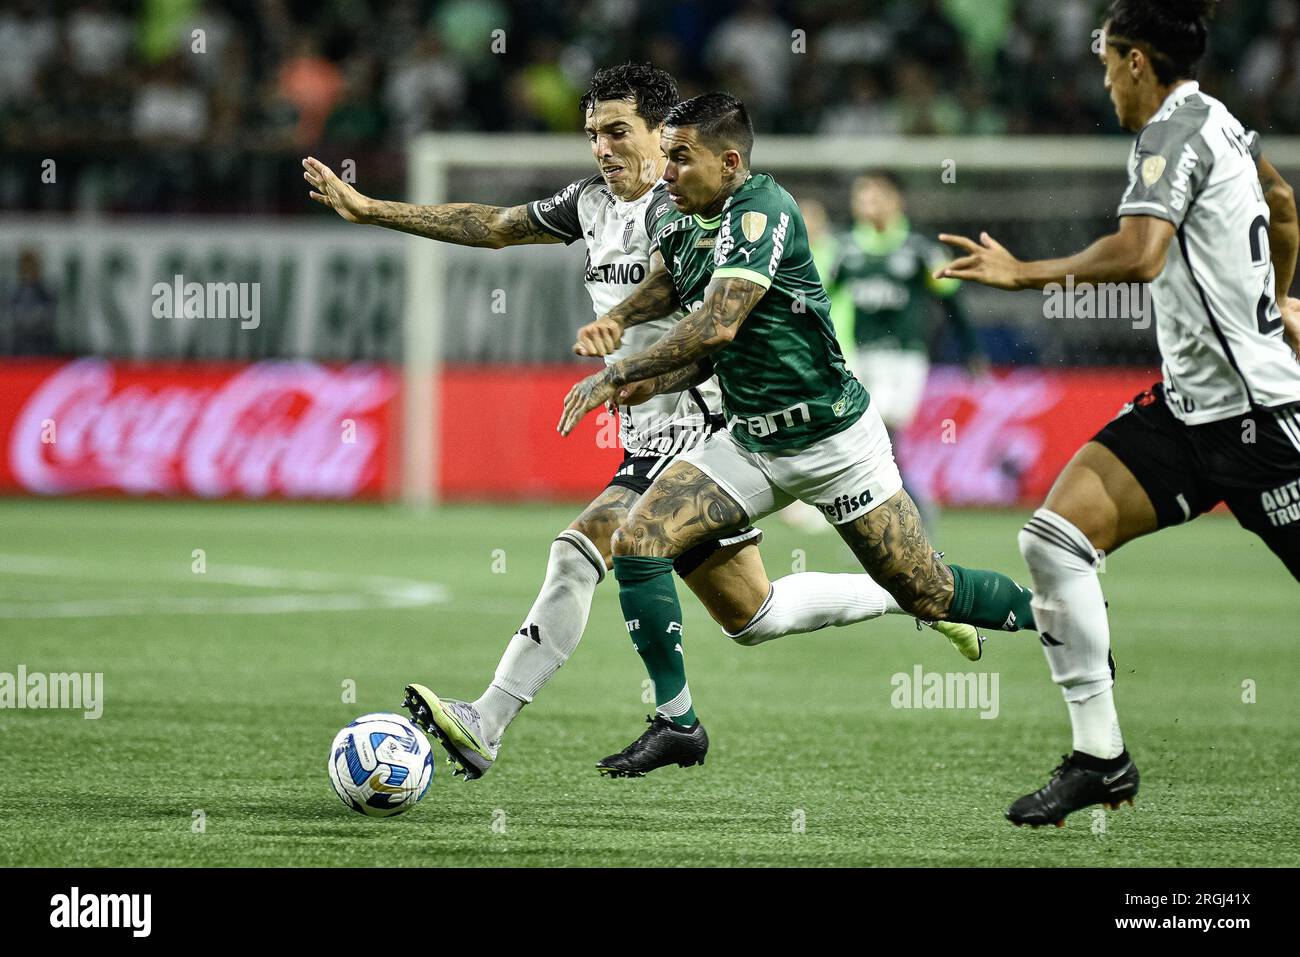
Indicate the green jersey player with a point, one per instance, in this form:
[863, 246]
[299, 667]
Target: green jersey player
[885, 270]
[732, 250]
[622, 113]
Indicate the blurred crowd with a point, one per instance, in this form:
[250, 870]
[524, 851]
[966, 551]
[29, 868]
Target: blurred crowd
[291, 74]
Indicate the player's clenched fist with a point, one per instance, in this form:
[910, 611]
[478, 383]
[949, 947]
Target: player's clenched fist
[599, 338]
[329, 190]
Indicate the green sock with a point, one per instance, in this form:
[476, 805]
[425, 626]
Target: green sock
[654, 620]
[989, 600]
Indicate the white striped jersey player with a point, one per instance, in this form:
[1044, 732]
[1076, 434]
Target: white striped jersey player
[1216, 314]
[618, 258]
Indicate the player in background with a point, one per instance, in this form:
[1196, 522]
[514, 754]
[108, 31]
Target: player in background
[885, 271]
[732, 250]
[623, 110]
[1212, 226]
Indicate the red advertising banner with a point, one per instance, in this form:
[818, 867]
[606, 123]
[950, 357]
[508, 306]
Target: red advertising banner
[499, 440]
[303, 430]
[274, 429]
[1002, 439]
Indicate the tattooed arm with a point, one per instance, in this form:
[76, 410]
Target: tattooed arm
[679, 381]
[697, 335]
[465, 224]
[654, 298]
[1283, 232]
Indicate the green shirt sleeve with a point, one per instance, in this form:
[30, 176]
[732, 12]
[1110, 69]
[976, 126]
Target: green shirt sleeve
[751, 239]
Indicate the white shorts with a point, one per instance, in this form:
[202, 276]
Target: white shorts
[896, 380]
[844, 476]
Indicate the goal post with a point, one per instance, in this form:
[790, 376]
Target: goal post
[1042, 186]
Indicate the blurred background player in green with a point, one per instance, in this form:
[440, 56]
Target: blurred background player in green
[825, 247]
[884, 296]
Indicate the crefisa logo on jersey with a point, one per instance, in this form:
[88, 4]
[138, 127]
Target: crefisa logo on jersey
[845, 505]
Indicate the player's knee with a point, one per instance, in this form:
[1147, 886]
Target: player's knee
[1051, 544]
[573, 558]
[625, 540]
[1031, 547]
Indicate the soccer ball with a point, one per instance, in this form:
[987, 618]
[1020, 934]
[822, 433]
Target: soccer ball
[380, 764]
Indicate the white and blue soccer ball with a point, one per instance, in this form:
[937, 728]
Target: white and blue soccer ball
[380, 764]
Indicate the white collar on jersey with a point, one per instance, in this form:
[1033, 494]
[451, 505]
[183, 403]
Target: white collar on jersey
[1179, 93]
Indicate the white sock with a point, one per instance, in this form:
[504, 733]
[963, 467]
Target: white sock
[1072, 625]
[549, 634]
[1096, 725]
[810, 601]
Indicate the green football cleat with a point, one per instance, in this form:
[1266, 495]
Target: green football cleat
[457, 725]
[965, 638]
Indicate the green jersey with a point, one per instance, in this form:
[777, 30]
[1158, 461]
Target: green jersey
[783, 378]
[887, 276]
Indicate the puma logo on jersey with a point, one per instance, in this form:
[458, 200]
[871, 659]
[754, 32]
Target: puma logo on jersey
[746, 253]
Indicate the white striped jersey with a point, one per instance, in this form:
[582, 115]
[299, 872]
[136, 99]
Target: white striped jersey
[1216, 315]
[618, 258]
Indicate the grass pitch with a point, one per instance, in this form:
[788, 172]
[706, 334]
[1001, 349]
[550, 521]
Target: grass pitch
[228, 637]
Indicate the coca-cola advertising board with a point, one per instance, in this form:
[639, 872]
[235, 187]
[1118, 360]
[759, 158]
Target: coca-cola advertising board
[305, 430]
[274, 429]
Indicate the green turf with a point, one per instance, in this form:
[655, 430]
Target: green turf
[233, 714]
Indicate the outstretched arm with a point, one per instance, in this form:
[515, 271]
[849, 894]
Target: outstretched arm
[1135, 253]
[697, 335]
[465, 224]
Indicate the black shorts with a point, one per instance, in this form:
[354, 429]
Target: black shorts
[638, 472]
[1251, 462]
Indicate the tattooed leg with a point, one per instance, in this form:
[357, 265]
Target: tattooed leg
[603, 516]
[891, 543]
[683, 508]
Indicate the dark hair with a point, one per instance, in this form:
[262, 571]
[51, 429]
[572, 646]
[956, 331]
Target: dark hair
[721, 119]
[653, 90]
[1173, 31]
[884, 175]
